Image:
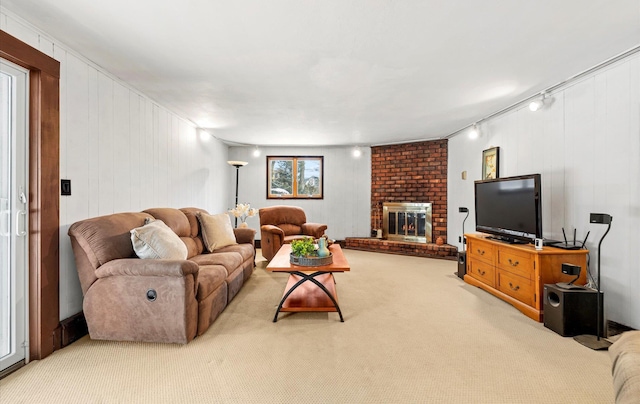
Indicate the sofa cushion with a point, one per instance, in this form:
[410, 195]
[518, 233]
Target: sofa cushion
[281, 214]
[106, 238]
[194, 241]
[216, 230]
[157, 241]
[210, 277]
[231, 261]
[173, 218]
[246, 251]
[290, 229]
[191, 214]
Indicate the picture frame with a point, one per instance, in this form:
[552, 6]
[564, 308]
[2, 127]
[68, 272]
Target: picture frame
[491, 163]
[295, 177]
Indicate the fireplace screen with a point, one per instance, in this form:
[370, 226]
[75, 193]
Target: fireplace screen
[407, 221]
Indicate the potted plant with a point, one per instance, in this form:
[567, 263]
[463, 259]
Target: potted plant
[303, 247]
[303, 252]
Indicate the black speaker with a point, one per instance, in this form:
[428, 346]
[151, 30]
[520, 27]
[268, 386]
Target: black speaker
[570, 312]
[462, 264]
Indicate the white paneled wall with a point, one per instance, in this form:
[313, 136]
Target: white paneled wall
[347, 188]
[121, 151]
[586, 145]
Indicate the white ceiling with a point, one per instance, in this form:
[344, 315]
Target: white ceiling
[338, 72]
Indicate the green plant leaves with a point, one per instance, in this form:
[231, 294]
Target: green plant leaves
[303, 247]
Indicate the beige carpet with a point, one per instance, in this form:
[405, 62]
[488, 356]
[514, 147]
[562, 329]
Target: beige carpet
[413, 333]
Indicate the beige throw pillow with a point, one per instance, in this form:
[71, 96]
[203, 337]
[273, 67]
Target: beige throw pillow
[217, 231]
[156, 240]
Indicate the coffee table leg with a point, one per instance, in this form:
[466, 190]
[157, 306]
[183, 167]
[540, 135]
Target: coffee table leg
[321, 286]
[311, 278]
[284, 298]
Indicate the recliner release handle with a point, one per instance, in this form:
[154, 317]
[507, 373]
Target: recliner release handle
[152, 295]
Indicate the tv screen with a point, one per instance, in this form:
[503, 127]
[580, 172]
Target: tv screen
[510, 208]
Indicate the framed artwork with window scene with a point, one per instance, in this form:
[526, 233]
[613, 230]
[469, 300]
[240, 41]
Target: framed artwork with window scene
[295, 177]
[491, 163]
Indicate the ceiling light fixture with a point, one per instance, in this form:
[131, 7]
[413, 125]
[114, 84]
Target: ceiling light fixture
[538, 103]
[474, 132]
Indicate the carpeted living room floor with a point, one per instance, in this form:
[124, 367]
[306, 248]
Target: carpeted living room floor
[413, 333]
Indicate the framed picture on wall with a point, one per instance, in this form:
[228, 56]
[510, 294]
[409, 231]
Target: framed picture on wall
[491, 163]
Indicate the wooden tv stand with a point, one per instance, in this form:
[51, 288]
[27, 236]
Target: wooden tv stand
[517, 273]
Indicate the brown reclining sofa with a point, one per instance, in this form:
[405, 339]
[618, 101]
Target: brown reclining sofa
[155, 300]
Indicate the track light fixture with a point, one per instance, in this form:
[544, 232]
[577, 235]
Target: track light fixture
[474, 132]
[538, 103]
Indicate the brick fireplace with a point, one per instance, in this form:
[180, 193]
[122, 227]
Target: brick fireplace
[410, 172]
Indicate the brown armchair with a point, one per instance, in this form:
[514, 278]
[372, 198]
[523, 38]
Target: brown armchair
[281, 224]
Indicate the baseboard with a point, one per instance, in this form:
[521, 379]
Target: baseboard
[614, 328]
[72, 329]
[11, 369]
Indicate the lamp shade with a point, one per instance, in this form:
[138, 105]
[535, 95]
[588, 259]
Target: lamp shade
[237, 163]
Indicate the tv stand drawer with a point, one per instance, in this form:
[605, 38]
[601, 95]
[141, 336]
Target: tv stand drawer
[516, 262]
[482, 271]
[480, 250]
[516, 286]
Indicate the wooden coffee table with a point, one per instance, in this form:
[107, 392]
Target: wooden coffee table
[309, 288]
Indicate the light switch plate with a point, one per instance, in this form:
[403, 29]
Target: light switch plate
[65, 187]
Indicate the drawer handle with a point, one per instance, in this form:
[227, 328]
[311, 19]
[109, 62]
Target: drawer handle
[481, 272]
[513, 264]
[481, 252]
[512, 288]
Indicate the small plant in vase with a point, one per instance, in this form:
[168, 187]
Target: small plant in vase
[242, 211]
[303, 247]
[305, 253]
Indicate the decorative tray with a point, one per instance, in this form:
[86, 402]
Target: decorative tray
[311, 261]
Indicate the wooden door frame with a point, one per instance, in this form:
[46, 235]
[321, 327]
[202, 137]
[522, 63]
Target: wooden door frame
[44, 201]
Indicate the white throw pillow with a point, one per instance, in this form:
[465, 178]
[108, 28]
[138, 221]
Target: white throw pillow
[156, 240]
[217, 231]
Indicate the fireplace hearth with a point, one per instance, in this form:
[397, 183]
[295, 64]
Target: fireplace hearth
[407, 221]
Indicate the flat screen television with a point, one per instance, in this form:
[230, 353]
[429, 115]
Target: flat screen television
[510, 208]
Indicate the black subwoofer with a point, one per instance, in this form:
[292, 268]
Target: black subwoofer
[462, 264]
[570, 312]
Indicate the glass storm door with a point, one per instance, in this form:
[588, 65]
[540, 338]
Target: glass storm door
[13, 214]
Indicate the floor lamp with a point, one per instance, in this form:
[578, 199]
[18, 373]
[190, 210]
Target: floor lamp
[597, 342]
[463, 210]
[237, 165]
